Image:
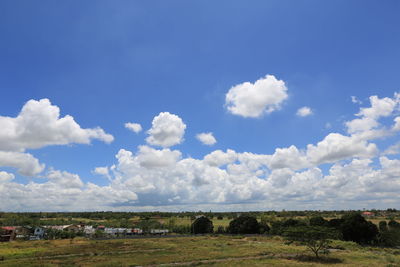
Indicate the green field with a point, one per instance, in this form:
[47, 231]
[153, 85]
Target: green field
[188, 251]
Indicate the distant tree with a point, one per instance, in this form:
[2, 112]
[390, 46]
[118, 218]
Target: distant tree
[335, 223]
[244, 225]
[316, 238]
[202, 225]
[394, 224]
[356, 228]
[221, 230]
[263, 228]
[220, 217]
[318, 221]
[383, 226]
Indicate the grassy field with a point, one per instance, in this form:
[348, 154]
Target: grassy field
[187, 251]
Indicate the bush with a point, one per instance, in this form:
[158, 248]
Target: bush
[318, 221]
[244, 225]
[356, 228]
[316, 238]
[202, 225]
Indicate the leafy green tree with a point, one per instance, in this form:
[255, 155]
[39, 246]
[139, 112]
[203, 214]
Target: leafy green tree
[202, 225]
[355, 228]
[318, 221]
[383, 226]
[316, 238]
[244, 225]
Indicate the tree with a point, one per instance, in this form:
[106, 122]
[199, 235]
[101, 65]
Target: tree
[318, 221]
[355, 228]
[316, 238]
[244, 225]
[202, 225]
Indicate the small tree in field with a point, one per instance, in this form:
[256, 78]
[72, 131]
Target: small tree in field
[202, 225]
[316, 238]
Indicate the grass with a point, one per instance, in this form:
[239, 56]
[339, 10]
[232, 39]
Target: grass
[192, 251]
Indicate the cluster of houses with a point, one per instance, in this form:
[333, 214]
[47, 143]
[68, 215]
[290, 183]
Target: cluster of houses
[9, 233]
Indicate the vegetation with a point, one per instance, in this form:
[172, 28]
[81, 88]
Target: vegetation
[244, 225]
[202, 225]
[316, 238]
[189, 251]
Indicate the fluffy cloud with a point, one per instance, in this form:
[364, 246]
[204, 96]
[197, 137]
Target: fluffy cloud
[336, 147]
[25, 163]
[368, 117]
[134, 127]
[167, 130]
[6, 177]
[149, 177]
[61, 191]
[39, 124]
[304, 112]
[36, 126]
[104, 171]
[206, 138]
[255, 99]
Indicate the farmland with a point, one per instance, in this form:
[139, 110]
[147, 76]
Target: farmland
[196, 250]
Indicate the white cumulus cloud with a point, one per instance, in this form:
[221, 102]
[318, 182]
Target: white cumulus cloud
[304, 112]
[206, 138]
[134, 127]
[255, 99]
[167, 130]
[39, 124]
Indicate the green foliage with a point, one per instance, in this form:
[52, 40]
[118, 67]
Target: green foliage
[316, 238]
[383, 226]
[202, 225]
[278, 227]
[393, 224]
[318, 221]
[356, 228]
[244, 225]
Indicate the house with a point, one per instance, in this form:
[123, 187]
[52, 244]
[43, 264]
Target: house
[7, 233]
[23, 232]
[368, 214]
[159, 231]
[89, 230]
[137, 231]
[38, 233]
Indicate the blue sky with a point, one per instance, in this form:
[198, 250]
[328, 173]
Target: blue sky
[106, 63]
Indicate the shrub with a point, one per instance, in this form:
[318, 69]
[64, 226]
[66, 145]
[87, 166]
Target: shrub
[316, 238]
[202, 225]
[244, 225]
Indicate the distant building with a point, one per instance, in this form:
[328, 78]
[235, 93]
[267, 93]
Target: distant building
[7, 233]
[368, 214]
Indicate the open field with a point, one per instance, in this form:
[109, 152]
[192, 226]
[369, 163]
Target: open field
[187, 251]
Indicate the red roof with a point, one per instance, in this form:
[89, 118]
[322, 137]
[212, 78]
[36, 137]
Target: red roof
[8, 228]
[367, 213]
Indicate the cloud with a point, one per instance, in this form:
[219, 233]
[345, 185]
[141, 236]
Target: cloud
[206, 138]
[355, 100]
[134, 127]
[253, 100]
[167, 130]
[368, 117]
[61, 191]
[151, 178]
[6, 177]
[104, 171]
[336, 147]
[25, 163]
[39, 125]
[304, 112]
